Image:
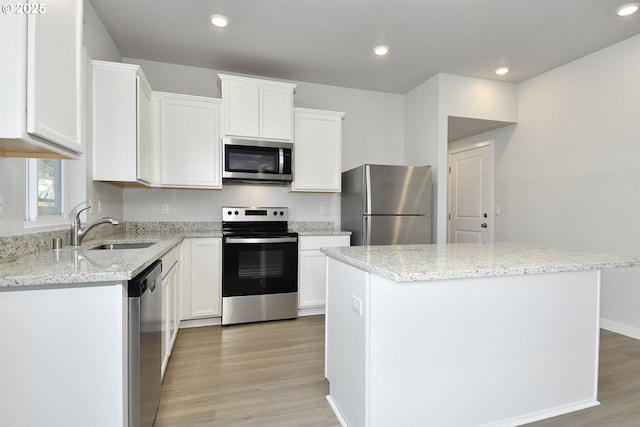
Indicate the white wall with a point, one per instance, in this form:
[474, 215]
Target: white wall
[429, 107]
[422, 127]
[99, 45]
[12, 192]
[205, 205]
[373, 132]
[570, 174]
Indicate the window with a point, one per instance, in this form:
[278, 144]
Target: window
[47, 196]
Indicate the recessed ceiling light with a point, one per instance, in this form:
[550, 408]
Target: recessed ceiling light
[627, 9]
[219, 21]
[502, 71]
[381, 50]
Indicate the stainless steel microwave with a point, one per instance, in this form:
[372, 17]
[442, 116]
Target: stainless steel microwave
[246, 160]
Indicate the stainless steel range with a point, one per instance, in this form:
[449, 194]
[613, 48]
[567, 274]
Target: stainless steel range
[259, 265]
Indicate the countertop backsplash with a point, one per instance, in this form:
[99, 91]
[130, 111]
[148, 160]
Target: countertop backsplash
[172, 226]
[13, 246]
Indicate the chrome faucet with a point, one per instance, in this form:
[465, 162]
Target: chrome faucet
[78, 233]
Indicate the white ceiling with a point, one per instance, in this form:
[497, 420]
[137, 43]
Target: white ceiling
[330, 41]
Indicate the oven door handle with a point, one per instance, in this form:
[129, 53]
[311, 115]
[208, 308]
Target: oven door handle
[261, 239]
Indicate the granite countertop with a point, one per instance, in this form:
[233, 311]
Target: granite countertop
[83, 265]
[73, 265]
[316, 232]
[410, 263]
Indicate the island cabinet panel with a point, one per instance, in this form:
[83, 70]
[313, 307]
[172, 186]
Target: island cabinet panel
[346, 343]
[63, 361]
[509, 350]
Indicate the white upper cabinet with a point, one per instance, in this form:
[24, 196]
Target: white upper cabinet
[41, 79]
[255, 108]
[189, 140]
[318, 151]
[122, 149]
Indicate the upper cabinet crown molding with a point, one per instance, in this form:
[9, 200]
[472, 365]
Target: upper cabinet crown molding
[257, 108]
[122, 150]
[41, 82]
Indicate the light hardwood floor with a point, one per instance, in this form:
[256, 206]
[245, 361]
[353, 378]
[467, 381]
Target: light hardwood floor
[267, 374]
[272, 375]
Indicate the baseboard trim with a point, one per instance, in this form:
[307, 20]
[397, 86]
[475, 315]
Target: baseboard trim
[313, 311]
[196, 323]
[620, 328]
[335, 410]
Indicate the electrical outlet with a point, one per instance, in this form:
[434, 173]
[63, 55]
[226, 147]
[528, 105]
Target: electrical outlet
[164, 208]
[90, 203]
[356, 304]
[323, 210]
[0, 206]
[99, 207]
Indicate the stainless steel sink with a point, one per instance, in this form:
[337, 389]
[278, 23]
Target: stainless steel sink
[131, 245]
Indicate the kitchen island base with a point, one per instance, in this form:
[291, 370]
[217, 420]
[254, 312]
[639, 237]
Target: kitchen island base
[482, 351]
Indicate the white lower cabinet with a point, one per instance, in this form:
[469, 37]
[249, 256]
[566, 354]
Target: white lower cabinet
[171, 273]
[202, 280]
[311, 268]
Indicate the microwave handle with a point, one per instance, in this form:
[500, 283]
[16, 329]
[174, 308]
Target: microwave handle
[281, 160]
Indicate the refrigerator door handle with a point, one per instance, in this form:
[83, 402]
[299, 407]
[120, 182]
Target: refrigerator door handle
[366, 238]
[367, 191]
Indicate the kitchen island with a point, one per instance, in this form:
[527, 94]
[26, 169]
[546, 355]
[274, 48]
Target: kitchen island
[462, 335]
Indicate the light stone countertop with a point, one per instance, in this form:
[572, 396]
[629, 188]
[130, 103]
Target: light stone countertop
[82, 265]
[411, 263]
[322, 232]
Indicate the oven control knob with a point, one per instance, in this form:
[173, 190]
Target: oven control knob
[229, 212]
[237, 213]
[275, 212]
[281, 213]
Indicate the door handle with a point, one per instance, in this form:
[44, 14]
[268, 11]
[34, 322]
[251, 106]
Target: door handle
[483, 225]
[261, 239]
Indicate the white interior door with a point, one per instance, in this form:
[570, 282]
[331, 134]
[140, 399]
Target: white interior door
[471, 194]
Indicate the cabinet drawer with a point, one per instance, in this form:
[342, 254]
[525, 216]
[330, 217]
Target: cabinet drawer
[169, 259]
[317, 242]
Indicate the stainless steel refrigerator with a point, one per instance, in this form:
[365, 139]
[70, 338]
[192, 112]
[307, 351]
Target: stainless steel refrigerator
[387, 205]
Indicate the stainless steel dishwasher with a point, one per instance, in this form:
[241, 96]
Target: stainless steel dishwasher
[145, 345]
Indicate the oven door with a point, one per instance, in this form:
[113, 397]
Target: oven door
[259, 265]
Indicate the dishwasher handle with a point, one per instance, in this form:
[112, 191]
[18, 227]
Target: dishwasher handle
[145, 280]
